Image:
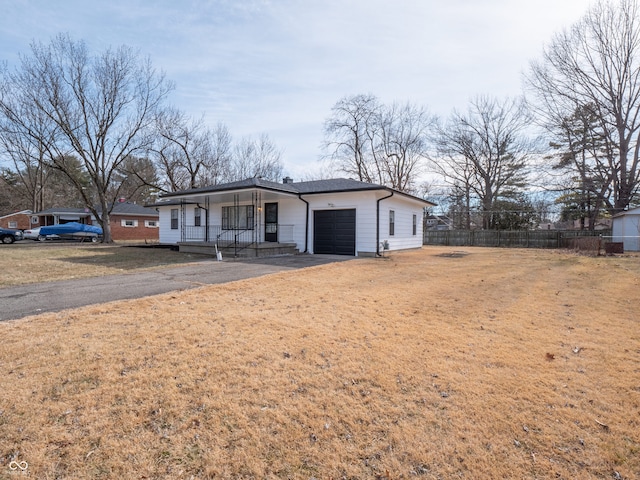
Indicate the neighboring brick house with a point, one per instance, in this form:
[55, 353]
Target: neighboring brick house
[19, 220]
[58, 215]
[129, 221]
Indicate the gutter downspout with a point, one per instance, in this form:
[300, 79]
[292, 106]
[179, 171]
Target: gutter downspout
[306, 228]
[378, 222]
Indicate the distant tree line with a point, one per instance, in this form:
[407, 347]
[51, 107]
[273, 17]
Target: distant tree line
[573, 133]
[82, 129]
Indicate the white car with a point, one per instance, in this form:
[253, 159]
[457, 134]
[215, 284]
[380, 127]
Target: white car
[34, 234]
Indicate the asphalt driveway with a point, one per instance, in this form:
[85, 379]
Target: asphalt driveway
[24, 300]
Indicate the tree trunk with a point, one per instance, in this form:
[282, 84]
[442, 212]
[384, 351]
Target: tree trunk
[105, 221]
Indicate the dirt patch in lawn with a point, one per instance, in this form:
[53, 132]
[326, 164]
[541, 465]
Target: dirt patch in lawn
[493, 364]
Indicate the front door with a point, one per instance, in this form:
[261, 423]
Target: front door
[270, 222]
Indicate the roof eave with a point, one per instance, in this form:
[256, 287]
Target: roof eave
[187, 193]
[371, 189]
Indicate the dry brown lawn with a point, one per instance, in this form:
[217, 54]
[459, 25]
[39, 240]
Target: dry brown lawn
[436, 364]
[27, 262]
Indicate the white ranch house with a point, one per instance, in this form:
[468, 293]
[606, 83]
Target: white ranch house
[626, 229]
[260, 217]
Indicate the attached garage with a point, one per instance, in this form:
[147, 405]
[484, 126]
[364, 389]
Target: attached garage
[334, 232]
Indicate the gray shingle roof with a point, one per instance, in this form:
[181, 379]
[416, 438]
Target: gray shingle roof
[332, 185]
[63, 211]
[335, 185]
[254, 182]
[126, 208]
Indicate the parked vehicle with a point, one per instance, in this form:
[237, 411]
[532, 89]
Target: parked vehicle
[10, 236]
[34, 234]
[73, 231]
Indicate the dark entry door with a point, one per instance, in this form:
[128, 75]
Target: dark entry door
[270, 222]
[334, 232]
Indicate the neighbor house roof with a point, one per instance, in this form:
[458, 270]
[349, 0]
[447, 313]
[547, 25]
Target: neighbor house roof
[632, 211]
[63, 211]
[123, 208]
[21, 212]
[334, 185]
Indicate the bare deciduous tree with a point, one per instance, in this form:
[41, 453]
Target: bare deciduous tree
[349, 136]
[9, 197]
[401, 145]
[26, 160]
[26, 136]
[255, 158]
[596, 65]
[484, 152]
[36, 184]
[188, 153]
[102, 110]
[378, 143]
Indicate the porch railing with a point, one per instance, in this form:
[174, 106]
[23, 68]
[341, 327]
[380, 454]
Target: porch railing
[285, 234]
[241, 239]
[229, 237]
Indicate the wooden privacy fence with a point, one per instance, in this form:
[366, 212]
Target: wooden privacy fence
[507, 238]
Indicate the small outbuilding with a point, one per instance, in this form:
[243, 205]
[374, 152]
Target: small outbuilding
[626, 229]
[334, 216]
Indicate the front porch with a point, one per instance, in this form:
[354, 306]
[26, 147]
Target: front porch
[239, 242]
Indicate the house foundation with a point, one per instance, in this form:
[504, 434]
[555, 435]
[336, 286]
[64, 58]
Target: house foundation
[266, 249]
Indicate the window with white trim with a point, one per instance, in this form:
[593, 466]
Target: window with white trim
[13, 225]
[151, 223]
[197, 216]
[237, 218]
[129, 223]
[392, 223]
[174, 219]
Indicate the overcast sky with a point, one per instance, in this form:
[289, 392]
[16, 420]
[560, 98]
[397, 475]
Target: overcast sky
[278, 66]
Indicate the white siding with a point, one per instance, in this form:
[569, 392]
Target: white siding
[404, 209]
[361, 201]
[168, 236]
[365, 204]
[293, 211]
[626, 229]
